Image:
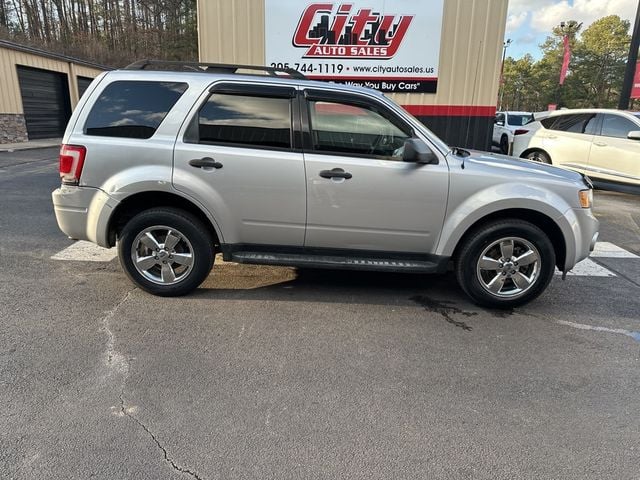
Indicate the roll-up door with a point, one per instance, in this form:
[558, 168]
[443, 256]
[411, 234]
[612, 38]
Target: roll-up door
[83, 84]
[45, 100]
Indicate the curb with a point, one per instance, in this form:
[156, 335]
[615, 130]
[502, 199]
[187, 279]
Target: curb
[18, 148]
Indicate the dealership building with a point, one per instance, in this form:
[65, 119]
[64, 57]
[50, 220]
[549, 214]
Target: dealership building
[39, 90]
[439, 59]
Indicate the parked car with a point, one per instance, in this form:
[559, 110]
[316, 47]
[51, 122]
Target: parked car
[175, 162]
[604, 144]
[505, 124]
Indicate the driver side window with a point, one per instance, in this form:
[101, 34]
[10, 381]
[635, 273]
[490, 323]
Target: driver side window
[350, 129]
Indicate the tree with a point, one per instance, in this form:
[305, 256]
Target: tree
[111, 32]
[595, 74]
[520, 84]
[599, 63]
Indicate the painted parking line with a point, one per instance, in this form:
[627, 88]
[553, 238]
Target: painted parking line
[609, 250]
[82, 251]
[588, 268]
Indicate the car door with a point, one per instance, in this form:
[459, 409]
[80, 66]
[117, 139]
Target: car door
[239, 158]
[567, 139]
[613, 156]
[360, 194]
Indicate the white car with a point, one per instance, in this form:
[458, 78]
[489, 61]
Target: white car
[604, 144]
[505, 124]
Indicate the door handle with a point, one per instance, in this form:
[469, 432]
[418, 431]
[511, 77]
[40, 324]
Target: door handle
[552, 137]
[600, 144]
[335, 173]
[205, 162]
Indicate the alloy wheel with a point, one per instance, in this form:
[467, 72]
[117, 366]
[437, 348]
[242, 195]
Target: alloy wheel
[508, 267]
[163, 255]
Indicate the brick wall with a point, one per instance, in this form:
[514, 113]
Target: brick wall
[13, 128]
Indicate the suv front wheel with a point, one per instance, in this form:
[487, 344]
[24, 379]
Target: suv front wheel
[166, 251]
[505, 264]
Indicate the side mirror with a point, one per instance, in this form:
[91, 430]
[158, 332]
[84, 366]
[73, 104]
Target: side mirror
[415, 150]
[500, 123]
[634, 135]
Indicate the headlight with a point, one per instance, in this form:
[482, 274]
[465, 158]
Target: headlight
[586, 198]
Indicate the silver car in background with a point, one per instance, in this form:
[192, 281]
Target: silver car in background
[173, 162]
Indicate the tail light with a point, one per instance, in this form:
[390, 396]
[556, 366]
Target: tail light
[71, 163]
[520, 131]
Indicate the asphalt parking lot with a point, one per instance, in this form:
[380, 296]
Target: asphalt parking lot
[271, 372]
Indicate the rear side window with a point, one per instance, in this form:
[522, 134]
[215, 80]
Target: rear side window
[247, 120]
[548, 122]
[132, 109]
[575, 123]
[519, 119]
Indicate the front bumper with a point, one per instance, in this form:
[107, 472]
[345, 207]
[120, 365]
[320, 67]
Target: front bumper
[586, 229]
[83, 213]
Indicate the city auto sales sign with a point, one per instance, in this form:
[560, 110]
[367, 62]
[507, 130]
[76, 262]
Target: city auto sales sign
[391, 45]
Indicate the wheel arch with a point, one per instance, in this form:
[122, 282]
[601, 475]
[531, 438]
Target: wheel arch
[138, 202]
[539, 219]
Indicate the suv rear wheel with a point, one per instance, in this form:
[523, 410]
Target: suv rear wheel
[504, 145]
[166, 251]
[539, 156]
[505, 264]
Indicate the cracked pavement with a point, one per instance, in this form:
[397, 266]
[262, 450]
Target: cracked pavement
[270, 372]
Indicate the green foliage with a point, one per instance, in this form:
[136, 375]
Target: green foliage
[111, 32]
[595, 74]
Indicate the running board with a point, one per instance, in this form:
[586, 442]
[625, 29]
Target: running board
[335, 262]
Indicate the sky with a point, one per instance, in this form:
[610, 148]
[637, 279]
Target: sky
[530, 21]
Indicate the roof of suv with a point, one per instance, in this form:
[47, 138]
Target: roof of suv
[197, 71]
[589, 110]
[513, 112]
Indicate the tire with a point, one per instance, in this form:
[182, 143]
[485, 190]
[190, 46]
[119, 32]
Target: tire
[168, 264]
[538, 156]
[495, 283]
[504, 145]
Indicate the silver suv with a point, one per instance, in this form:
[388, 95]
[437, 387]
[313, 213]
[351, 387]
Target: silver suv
[174, 162]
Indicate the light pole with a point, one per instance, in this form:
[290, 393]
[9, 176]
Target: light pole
[505, 45]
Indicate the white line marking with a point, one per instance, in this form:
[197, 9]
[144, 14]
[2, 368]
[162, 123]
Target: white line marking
[220, 261]
[582, 326]
[609, 250]
[82, 251]
[588, 268]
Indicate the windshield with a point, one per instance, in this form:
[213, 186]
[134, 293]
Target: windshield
[520, 119]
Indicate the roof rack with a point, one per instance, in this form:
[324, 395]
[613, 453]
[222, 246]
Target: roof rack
[172, 65]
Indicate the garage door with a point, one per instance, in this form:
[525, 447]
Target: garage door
[83, 84]
[45, 99]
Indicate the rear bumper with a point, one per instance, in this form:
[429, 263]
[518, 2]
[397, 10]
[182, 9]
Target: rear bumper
[83, 213]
